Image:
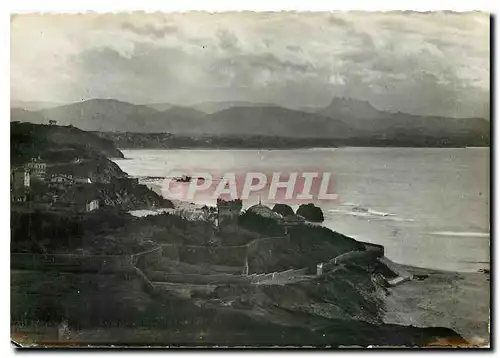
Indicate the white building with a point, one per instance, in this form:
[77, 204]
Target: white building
[92, 205]
[36, 168]
[82, 180]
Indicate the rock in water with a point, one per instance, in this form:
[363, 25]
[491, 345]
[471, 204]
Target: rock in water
[311, 212]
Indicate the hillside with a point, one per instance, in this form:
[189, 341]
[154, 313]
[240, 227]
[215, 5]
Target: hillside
[57, 143]
[115, 116]
[177, 120]
[34, 105]
[347, 122]
[23, 115]
[366, 119]
[69, 150]
[212, 107]
[102, 115]
[343, 307]
[217, 106]
[275, 121]
[167, 140]
[106, 309]
[160, 106]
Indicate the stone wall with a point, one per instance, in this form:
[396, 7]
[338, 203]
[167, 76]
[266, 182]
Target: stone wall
[268, 243]
[372, 252]
[147, 284]
[216, 255]
[182, 289]
[222, 255]
[162, 276]
[157, 277]
[282, 276]
[149, 258]
[378, 249]
[170, 251]
[71, 262]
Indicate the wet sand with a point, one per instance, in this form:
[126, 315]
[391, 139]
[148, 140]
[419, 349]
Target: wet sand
[459, 301]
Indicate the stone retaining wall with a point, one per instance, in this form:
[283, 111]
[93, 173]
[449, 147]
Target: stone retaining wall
[161, 276]
[149, 258]
[71, 262]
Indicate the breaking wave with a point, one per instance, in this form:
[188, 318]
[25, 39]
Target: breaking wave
[460, 233]
[361, 212]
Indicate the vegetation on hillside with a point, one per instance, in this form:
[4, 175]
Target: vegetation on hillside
[311, 212]
[104, 309]
[55, 144]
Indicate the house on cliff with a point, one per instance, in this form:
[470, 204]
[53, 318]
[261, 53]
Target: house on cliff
[36, 168]
[91, 205]
[62, 180]
[80, 198]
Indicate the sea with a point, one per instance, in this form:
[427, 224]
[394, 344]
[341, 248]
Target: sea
[429, 207]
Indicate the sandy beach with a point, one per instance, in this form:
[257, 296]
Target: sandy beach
[454, 300]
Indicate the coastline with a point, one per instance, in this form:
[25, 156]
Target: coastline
[191, 148]
[438, 298]
[443, 298]
[434, 298]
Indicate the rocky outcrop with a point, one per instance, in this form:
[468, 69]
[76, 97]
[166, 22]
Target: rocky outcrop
[311, 212]
[283, 210]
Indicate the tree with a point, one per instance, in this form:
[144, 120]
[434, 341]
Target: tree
[311, 212]
[283, 209]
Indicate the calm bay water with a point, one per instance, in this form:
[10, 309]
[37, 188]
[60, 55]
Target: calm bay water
[429, 207]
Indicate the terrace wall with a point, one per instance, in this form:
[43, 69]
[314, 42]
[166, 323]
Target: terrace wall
[71, 262]
[147, 258]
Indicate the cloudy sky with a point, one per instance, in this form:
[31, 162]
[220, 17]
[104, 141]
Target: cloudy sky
[428, 63]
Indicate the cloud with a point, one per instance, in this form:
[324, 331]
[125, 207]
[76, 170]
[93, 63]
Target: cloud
[424, 63]
[294, 48]
[149, 30]
[227, 40]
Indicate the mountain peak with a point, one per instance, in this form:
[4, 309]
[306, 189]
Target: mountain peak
[111, 101]
[350, 107]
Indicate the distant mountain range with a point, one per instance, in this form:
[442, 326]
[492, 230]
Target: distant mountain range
[209, 107]
[341, 119]
[34, 105]
[102, 115]
[363, 117]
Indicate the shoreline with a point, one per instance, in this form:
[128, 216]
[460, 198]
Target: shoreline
[443, 299]
[437, 301]
[301, 148]
[183, 205]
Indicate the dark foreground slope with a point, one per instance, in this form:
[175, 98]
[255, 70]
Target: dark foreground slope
[344, 307]
[107, 309]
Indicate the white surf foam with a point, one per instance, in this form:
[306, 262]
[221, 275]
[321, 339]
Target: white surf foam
[460, 233]
[369, 214]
